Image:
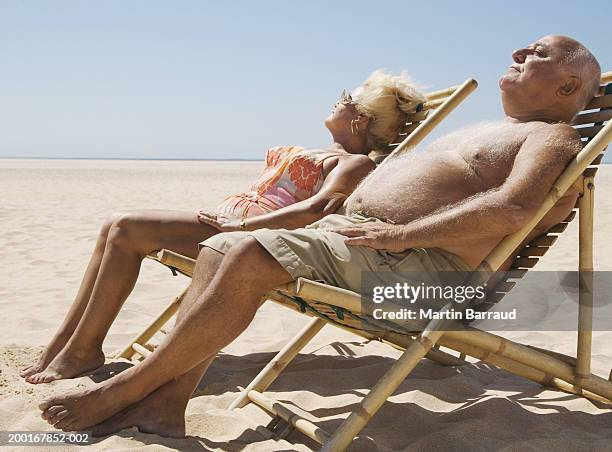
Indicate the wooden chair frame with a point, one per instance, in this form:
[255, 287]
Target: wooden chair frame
[342, 308]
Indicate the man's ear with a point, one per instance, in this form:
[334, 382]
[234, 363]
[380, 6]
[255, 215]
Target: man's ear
[570, 86]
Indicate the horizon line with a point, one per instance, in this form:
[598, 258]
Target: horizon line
[603, 162]
[137, 158]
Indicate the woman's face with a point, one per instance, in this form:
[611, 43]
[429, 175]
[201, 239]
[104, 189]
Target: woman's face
[343, 112]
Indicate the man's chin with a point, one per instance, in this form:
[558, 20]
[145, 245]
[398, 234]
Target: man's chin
[506, 81]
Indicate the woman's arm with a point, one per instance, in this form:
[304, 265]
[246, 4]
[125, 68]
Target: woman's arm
[342, 178]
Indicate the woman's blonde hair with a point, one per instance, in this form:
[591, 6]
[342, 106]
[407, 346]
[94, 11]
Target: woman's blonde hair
[387, 100]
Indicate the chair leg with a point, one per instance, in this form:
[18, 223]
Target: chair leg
[273, 369]
[585, 266]
[371, 403]
[153, 328]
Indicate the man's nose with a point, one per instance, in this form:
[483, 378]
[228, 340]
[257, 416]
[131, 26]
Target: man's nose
[519, 56]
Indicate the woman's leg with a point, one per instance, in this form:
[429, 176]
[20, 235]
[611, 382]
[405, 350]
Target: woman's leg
[130, 238]
[78, 305]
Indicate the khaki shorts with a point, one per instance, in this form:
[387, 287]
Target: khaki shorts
[316, 253]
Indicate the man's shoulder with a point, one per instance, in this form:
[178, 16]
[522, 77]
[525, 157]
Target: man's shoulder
[556, 129]
[559, 136]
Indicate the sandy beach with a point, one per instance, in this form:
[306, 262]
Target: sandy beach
[51, 212]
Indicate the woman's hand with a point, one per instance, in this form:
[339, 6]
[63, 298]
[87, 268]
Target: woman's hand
[381, 236]
[221, 223]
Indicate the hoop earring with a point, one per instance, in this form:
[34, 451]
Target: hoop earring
[354, 127]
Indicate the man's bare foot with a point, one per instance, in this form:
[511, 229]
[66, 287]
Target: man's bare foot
[160, 413]
[80, 409]
[68, 363]
[50, 352]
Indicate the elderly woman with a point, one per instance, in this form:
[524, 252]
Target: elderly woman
[297, 187]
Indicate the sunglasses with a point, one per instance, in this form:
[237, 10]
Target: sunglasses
[345, 99]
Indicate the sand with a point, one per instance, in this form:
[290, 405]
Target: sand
[51, 212]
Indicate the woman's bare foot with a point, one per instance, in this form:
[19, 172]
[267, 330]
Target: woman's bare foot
[160, 413]
[50, 352]
[68, 363]
[80, 409]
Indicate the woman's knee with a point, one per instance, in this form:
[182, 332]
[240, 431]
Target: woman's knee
[107, 225]
[109, 222]
[125, 229]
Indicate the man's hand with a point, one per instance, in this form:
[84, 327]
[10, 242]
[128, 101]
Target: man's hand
[381, 236]
[219, 222]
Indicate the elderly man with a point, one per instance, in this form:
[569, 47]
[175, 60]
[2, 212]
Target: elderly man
[444, 209]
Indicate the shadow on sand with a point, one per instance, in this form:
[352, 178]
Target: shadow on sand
[469, 407]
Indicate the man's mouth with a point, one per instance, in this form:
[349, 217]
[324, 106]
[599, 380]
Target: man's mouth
[515, 67]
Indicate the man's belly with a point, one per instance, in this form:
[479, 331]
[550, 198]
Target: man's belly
[403, 192]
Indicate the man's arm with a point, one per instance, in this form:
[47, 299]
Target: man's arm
[490, 215]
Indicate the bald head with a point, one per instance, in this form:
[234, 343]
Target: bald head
[581, 63]
[551, 80]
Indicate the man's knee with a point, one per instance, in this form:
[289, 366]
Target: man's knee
[255, 265]
[232, 250]
[230, 245]
[246, 251]
[206, 265]
[245, 265]
[244, 257]
[208, 256]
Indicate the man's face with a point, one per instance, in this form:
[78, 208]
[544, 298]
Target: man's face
[536, 73]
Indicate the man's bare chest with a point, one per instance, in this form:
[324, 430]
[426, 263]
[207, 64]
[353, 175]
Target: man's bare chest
[490, 160]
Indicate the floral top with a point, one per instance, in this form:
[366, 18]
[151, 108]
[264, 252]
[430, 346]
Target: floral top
[292, 174]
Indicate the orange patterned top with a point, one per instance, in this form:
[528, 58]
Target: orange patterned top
[292, 174]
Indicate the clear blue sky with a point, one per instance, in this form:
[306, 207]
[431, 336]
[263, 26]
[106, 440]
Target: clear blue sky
[195, 79]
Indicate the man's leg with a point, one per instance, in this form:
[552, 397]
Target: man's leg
[130, 238]
[163, 411]
[216, 318]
